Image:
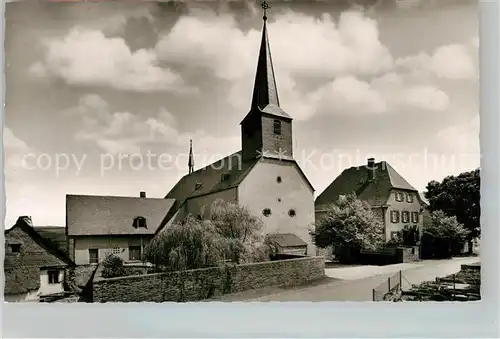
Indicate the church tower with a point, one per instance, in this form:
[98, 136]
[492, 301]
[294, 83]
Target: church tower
[266, 129]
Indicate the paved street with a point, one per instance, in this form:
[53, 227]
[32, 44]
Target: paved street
[356, 285]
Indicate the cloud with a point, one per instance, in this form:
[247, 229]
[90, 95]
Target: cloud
[352, 96]
[129, 133]
[461, 138]
[320, 47]
[88, 57]
[122, 132]
[349, 95]
[455, 61]
[11, 142]
[15, 149]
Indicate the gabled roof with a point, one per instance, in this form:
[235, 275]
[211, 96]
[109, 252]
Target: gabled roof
[286, 240]
[56, 235]
[22, 270]
[355, 180]
[423, 198]
[108, 215]
[209, 179]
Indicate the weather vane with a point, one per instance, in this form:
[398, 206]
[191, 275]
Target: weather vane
[265, 6]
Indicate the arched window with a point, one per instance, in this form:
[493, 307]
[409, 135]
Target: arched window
[140, 222]
[277, 127]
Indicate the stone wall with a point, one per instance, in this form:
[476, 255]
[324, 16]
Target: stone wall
[408, 254]
[207, 283]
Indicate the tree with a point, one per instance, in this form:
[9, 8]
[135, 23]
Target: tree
[187, 245]
[113, 267]
[408, 236]
[242, 231]
[443, 233]
[349, 224]
[458, 196]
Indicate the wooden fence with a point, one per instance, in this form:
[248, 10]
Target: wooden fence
[388, 288]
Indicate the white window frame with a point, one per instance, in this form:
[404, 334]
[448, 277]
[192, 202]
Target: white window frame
[395, 217]
[49, 276]
[414, 217]
[409, 197]
[130, 252]
[407, 219]
[90, 258]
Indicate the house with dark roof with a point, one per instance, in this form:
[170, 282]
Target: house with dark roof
[263, 176]
[56, 235]
[33, 266]
[396, 202]
[98, 225]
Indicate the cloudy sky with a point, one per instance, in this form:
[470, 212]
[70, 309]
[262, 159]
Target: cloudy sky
[94, 89]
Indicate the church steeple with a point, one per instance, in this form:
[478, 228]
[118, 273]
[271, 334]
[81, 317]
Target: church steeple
[264, 90]
[191, 157]
[266, 129]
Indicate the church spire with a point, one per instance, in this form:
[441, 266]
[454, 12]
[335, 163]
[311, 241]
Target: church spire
[264, 91]
[191, 157]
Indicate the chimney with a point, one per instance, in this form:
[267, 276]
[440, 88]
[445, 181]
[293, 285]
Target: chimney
[371, 168]
[143, 194]
[25, 220]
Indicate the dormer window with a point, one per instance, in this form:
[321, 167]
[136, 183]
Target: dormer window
[277, 127]
[140, 222]
[224, 177]
[197, 185]
[399, 196]
[15, 248]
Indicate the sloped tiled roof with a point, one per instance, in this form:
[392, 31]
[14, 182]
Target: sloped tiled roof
[423, 198]
[21, 279]
[286, 240]
[22, 270]
[108, 215]
[264, 91]
[54, 234]
[208, 179]
[355, 180]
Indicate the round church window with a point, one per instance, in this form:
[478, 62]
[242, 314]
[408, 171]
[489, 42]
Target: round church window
[291, 213]
[266, 212]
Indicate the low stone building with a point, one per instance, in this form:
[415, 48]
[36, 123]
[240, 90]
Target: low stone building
[33, 267]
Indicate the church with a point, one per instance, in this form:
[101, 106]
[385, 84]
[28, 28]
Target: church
[263, 176]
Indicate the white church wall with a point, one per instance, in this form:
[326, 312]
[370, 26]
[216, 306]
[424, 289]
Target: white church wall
[260, 190]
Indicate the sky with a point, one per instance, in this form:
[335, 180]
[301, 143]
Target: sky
[103, 98]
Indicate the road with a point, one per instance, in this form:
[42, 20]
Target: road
[361, 289]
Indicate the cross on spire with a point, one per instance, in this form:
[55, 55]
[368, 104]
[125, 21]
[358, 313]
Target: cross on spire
[265, 6]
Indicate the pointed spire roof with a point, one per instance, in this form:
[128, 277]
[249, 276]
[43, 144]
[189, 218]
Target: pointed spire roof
[191, 157]
[265, 92]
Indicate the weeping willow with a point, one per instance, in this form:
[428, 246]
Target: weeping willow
[231, 234]
[188, 245]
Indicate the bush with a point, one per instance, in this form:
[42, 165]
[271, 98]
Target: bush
[113, 267]
[351, 225]
[442, 236]
[187, 245]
